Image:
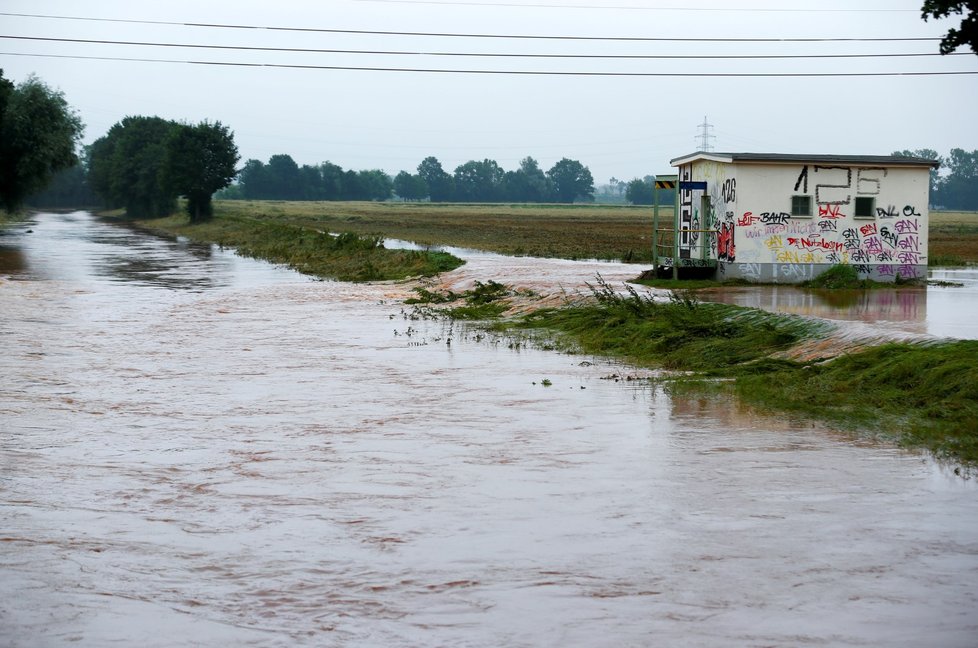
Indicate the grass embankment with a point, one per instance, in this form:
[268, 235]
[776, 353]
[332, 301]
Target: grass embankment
[346, 257]
[612, 232]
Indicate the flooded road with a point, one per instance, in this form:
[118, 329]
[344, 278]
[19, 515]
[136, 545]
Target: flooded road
[197, 449]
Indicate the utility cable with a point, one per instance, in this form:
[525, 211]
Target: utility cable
[454, 3]
[248, 48]
[649, 39]
[497, 72]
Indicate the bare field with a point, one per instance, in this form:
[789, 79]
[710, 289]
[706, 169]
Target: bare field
[614, 232]
[953, 238]
[564, 231]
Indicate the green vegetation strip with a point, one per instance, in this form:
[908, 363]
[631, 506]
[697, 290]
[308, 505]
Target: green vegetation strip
[919, 395]
[346, 257]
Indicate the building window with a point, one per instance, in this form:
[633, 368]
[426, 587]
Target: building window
[801, 206]
[865, 207]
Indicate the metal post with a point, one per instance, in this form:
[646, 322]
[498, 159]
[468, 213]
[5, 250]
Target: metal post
[655, 227]
[675, 230]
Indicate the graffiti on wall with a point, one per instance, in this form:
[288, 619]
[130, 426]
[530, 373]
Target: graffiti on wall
[685, 211]
[889, 243]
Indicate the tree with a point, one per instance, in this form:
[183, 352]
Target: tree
[200, 160]
[528, 183]
[479, 181]
[441, 187]
[38, 136]
[410, 187]
[572, 181]
[375, 185]
[311, 182]
[283, 178]
[959, 189]
[332, 179]
[127, 164]
[640, 192]
[254, 180]
[967, 34]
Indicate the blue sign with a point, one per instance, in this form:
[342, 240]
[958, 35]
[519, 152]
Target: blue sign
[687, 185]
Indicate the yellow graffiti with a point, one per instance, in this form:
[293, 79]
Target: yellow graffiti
[794, 256]
[774, 243]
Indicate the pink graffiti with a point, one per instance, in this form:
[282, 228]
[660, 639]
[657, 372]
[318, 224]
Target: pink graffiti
[873, 245]
[906, 226]
[909, 243]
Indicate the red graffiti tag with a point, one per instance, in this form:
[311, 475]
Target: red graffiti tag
[747, 220]
[726, 249]
[829, 211]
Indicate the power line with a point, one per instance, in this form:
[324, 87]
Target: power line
[497, 72]
[633, 8]
[649, 39]
[249, 48]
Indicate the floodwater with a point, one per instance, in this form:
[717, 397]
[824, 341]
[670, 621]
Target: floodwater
[944, 309]
[198, 449]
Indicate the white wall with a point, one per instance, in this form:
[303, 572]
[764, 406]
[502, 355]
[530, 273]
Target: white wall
[751, 205]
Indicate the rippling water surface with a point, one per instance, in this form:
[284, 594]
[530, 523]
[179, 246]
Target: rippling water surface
[198, 449]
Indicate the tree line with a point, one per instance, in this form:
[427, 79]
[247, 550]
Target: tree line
[145, 163]
[475, 181]
[954, 185]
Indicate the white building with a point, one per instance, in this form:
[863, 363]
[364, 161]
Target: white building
[788, 218]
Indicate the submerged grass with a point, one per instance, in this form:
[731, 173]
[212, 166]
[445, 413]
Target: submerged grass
[483, 302]
[346, 257]
[920, 395]
[681, 334]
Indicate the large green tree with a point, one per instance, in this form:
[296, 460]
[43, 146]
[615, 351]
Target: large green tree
[966, 34]
[38, 137]
[529, 183]
[441, 186]
[126, 166]
[409, 186]
[479, 181]
[572, 181]
[200, 159]
[374, 184]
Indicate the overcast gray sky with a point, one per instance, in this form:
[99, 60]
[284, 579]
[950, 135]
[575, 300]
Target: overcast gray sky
[621, 126]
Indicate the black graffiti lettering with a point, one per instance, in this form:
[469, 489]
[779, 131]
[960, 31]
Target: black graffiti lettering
[889, 212]
[775, 218]
[874, 191]
[802, 178]
[910, 210]
[729, 190]
[820, 187]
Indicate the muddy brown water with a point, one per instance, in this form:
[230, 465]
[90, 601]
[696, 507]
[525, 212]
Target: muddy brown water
[199, 449]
